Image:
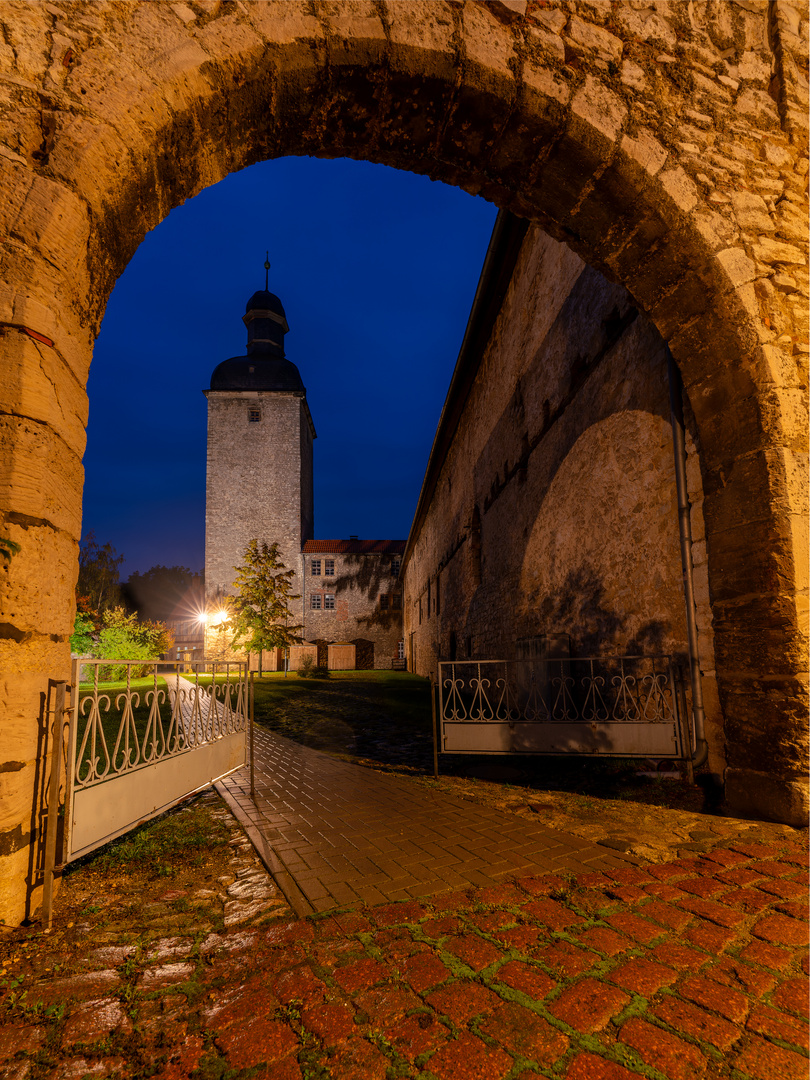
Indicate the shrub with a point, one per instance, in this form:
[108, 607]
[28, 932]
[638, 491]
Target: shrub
[117, 643]
[308, 669]
[305, 668]
[81, 640]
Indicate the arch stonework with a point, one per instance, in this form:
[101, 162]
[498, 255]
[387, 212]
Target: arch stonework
[664, 142]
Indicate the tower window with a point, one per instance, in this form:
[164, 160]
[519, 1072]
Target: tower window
[329, 601]
[254, 416]
[316, 567]
[329, 567]
[315, 601]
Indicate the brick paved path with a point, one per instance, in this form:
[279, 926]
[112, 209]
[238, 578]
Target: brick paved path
[335, 834]
[692, 969]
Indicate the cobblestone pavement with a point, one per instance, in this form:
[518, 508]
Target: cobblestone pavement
[336, 834]
[688, 969]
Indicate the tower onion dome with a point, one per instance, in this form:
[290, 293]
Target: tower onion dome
[265, 367]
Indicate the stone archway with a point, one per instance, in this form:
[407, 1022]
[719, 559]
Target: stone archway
[666, 145]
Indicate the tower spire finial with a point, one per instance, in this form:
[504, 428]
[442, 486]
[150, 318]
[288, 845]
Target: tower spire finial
[266, 268]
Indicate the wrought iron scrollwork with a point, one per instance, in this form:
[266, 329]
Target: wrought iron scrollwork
[183, 713]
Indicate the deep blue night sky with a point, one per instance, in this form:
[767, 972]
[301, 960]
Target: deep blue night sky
[376, 270]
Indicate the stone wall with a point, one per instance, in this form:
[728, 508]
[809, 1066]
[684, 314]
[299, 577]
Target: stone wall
[555, 510]
[258, 481]
[360, 580]
[665, 143]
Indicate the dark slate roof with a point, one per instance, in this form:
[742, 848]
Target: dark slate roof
[354, 547]
[265, 301]
[256, 373]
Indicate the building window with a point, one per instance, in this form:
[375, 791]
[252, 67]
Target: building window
[396, 562]
[254, 416]
[400, 650]
[329, 601]
[329, 567]
[383, 602]
[396, 601]
[315, 601]
[316, 567]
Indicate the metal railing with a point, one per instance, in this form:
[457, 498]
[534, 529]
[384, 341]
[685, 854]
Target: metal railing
[132, 748]
[120, 730]
[621, 705]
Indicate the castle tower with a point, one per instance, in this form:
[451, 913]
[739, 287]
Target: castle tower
[260, 433]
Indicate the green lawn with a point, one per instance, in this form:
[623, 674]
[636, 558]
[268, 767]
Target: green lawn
[382, 715]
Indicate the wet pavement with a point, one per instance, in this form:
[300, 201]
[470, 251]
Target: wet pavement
[558, 961]
[336, 834]
[692, 968]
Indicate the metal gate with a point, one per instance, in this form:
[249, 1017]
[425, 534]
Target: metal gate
[134, 747]
[619, 706]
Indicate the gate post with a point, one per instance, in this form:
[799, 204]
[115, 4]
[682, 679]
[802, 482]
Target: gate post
[57, 735]
[250, 721]
[433, 689]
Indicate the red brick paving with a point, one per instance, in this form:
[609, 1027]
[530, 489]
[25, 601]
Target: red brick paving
[473, 951]
[471, 1058]
[588, 1005]
[677, 1059]
[782, 930]
[765, 1061]
[462, 1001]
[594, 1067]
[750, 980]
[527, 978]
[642, 976]
[577, 990]
[606, 941]
[523, 1033]
[697, 1023]
[793, 994]
[776, 1024]
[715, 997]
[247, 1045]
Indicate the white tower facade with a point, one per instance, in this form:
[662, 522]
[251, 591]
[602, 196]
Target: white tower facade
[260, 436]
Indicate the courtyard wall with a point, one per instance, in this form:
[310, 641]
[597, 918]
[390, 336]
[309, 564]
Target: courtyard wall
[555, 508]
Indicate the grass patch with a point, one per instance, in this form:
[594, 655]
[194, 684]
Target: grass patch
[156, 847]
[383, 715]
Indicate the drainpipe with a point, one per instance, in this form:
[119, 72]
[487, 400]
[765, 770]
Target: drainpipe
[700, 750]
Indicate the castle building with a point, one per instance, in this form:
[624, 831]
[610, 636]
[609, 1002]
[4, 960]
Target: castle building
[259, 485]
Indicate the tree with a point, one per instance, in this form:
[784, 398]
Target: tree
[261, 603]
[165, 592]
[122, 637]
[82, 640]
[98, 575]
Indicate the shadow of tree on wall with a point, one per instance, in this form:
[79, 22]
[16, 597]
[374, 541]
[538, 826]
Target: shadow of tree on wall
[365, 574]
[578, 608]
[372, 577]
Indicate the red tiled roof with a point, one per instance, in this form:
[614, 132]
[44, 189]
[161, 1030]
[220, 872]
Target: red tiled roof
[354, 547]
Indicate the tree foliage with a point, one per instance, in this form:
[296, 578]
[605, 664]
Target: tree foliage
[122, 637]
[82, 639]
[98, 575]
[165, 592]
[260, 605]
